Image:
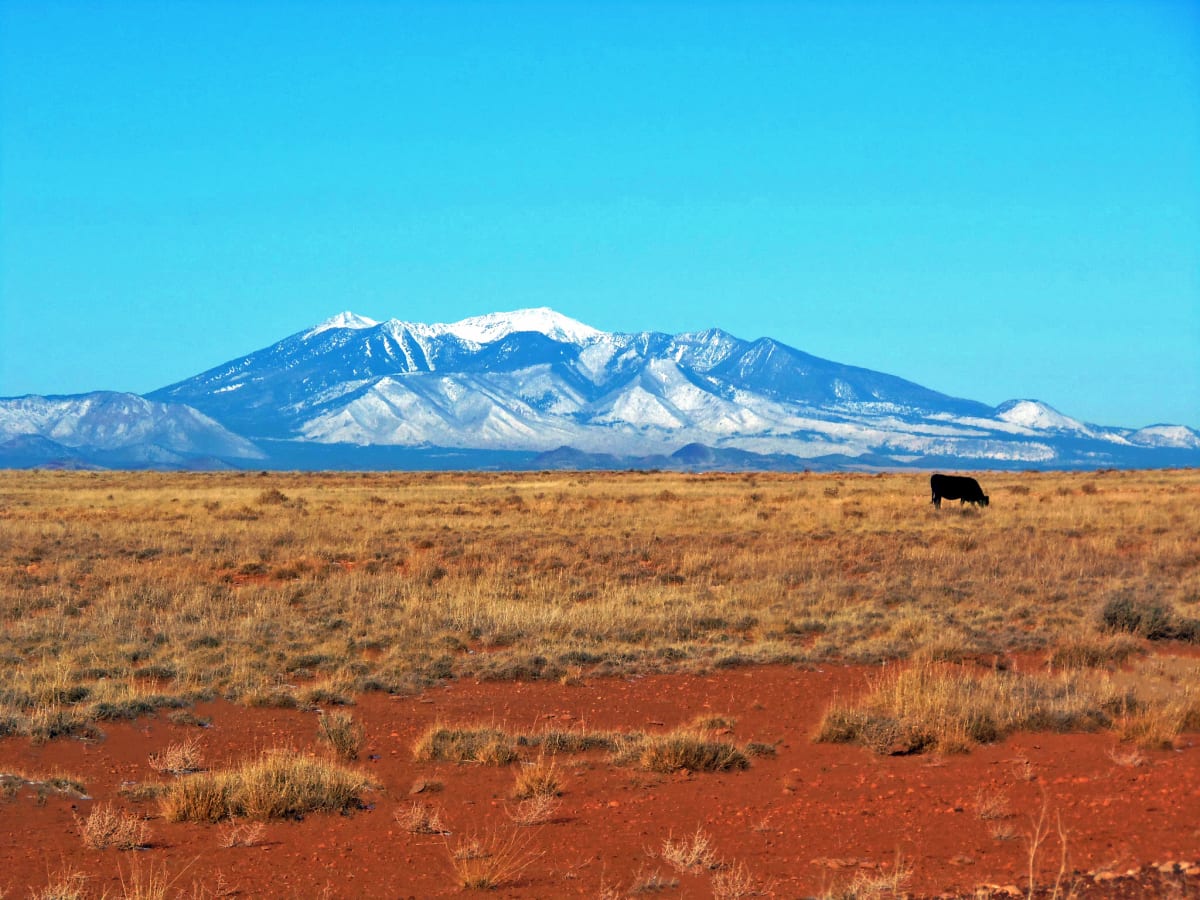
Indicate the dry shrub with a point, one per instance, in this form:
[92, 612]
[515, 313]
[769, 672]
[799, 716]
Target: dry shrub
[420, 818]
[107, 827]
[734, 882]
[685, 749]
[279, 784]
[342, 733]
[536, 810]
[691, 854]
[652, 883]
[991, 804]
[486, 862]
[67, 884]
[180, 758]
[240, 834]
[482, 745]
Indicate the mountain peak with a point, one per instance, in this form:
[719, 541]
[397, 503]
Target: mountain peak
[1038, 415]
[345, 319]
[493, 326]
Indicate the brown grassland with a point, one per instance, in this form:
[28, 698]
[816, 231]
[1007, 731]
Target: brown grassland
[157, 601]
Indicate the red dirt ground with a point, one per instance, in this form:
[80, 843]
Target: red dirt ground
[804, 822]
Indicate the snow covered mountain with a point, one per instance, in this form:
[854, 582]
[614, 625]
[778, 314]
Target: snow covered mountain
[113, 429]
[535, 381]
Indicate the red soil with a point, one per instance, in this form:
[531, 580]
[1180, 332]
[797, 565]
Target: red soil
[804, 821]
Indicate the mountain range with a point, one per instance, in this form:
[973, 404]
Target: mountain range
[536, 389]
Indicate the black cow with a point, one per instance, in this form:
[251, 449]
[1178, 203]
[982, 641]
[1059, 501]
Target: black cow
[956, 487]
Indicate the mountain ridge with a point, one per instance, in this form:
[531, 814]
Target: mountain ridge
[534, 382]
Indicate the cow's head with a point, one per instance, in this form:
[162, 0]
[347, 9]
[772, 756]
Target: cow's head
[985, 499]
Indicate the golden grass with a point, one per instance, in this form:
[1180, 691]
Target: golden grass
[939, 706]
[538, 779]
[345, 736]
[489, 861]
[487, 745]
[179, 758]
[279, 784]
[128, 594]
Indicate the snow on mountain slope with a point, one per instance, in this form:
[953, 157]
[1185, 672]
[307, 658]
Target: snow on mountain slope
[494, 326]
[1034, 414]
[109, 421]
[1176, 436]
[537, 380]
[342, 320]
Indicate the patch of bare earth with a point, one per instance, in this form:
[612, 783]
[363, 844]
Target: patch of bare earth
[810, 819]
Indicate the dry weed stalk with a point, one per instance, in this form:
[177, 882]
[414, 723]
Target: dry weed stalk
[1039, 831]
[488, 861]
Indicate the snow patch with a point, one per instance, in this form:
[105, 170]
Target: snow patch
[345, 319]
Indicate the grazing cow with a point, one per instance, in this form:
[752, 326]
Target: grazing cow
[956, 487]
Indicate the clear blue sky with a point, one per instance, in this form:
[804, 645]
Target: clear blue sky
[994, 199]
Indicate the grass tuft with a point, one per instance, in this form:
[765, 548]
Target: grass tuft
[489, 746]
[682, 749]
[345, 736]
[280, 784]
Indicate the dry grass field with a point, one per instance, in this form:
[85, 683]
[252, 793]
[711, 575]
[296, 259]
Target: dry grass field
[124, 593]
[131, 597]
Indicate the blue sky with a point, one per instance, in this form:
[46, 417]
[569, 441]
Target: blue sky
[993, 199]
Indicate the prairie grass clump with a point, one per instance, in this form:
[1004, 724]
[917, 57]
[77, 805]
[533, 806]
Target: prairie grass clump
[684, 748]
[481, 745]
[342, 733]
[280, 784]
[932, 706]
[539, 779]
[1154, 620]
[1093, 651]
[572, 741]
[106, 827]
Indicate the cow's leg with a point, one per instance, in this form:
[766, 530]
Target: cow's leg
[937, 501]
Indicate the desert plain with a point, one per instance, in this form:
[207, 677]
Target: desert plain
[602, 685]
